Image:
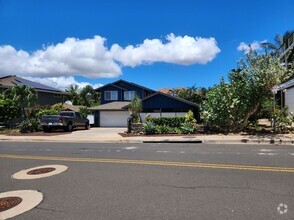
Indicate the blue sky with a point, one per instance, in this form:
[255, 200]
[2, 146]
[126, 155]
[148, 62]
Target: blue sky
[31, 31]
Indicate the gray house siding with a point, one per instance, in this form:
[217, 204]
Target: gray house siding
[48, 98]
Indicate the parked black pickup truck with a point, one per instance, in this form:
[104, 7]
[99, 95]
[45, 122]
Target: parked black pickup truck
[67, 120]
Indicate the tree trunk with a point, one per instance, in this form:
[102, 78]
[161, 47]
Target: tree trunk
[245, 122]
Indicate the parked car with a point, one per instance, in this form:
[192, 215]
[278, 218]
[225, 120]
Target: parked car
[68, 120]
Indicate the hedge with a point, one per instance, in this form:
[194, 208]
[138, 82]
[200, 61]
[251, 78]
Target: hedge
[173, 122]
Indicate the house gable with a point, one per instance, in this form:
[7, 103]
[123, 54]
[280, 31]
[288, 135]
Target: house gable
[121, 87]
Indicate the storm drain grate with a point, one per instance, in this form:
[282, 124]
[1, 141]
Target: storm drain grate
[9, 202]
[41, 171]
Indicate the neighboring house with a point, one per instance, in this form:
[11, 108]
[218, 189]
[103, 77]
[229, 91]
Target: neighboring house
[286, 50]
[75, 108]
[116, 96]
[286, 95]
[46, 95]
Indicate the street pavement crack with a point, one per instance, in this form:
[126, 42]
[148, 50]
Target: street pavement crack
[52, 210]
[227, 187]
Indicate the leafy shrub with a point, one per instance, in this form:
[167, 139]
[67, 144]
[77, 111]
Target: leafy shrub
[284, 120]
[29, 125]
[163, 129]
[58, 107]
[174, 122]
[47, 112]
[188, 128]
[149, 127]
[189, 117]
[84, 111]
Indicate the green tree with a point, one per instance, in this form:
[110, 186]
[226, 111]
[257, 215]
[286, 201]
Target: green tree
[73, 91]
[192, 94]
[9, 110]
[281, 43]
[135, 108]
[86, 96]
[230, 105]
[89, 97]
[23, 96]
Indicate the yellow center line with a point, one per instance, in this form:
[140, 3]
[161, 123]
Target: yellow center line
[150, 162]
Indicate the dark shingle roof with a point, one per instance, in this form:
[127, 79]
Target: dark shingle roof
[9, 81]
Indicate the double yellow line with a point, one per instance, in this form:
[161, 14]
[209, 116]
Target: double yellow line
[157, 163]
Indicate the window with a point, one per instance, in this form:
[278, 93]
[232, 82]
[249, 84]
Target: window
[128, 95]
[57, 95]
[111, 95]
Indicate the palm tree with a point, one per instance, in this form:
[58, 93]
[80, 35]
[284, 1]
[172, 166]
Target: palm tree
[73, 91]
[135, 107]
[280, 45]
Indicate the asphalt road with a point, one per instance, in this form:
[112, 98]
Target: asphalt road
[154, 181]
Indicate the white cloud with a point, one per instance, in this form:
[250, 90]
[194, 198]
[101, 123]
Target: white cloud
[255, 46]
[91, 58]
[179, 50]
[62, 82]
[87, 57]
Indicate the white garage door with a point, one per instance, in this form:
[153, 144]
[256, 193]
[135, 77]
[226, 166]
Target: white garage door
[114, 118]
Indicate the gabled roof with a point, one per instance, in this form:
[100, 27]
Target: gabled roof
[114, 84]
[111, 106]
[287, 85]
[172, 97]
[10, 81]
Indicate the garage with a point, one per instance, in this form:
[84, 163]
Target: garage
[114, 118]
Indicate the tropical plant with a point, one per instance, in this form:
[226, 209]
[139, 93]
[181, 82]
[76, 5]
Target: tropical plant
[84, 111]
[23, 96]
[86, 96]
[29, 125]
[135, 108]
[188, 128]
[280, 45]
[149, 127]
[163, 129]
[189, 117]
[73, 91]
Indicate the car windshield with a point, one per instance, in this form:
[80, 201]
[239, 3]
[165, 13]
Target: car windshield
[69, 114]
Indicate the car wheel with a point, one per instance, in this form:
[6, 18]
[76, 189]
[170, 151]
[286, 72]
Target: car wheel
[87, 126]
[69, 127]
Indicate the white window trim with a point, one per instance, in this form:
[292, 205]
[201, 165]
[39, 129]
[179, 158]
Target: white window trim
[129, 96]
[113, 95]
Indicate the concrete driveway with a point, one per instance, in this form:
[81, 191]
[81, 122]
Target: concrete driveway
[94, 134]
[91, 135]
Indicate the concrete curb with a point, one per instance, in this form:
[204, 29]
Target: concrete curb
[196, 141]
[192, 141]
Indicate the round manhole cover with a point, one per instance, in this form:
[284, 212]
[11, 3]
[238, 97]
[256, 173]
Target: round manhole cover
[9, 202]
[41, 171]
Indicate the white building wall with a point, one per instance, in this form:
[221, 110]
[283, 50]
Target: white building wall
[289, 99]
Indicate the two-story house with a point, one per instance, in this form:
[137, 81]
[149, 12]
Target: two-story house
[116, 96]
[46, 95]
